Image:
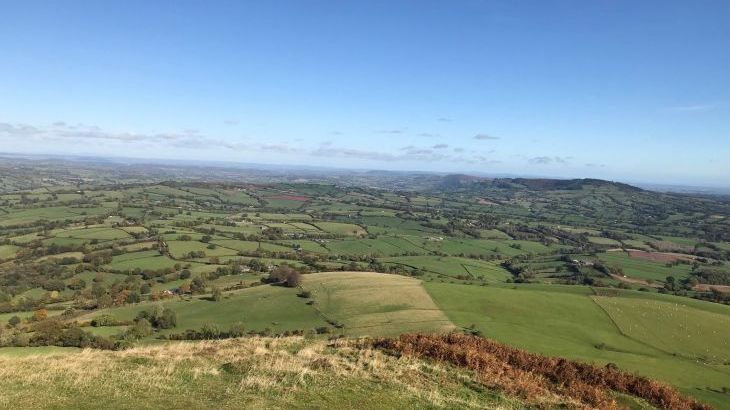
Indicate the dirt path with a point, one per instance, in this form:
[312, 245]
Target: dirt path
[635, 281]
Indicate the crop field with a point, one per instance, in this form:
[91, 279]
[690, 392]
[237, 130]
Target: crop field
[375, 304]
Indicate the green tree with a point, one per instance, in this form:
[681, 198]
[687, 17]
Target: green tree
[217, 294]
[197, 285]
[141, 328]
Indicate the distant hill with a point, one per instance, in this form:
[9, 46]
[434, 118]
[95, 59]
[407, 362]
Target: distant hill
[569, 184]
[463, 181]
[455, 181]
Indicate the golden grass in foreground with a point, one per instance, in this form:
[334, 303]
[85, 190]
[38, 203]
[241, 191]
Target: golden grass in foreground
[250, 373]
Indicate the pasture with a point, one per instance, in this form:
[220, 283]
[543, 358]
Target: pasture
[643, 269]
[375, 304]
[566, 321]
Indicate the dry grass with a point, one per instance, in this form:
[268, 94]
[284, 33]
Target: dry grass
[370, 303]
[255, 372]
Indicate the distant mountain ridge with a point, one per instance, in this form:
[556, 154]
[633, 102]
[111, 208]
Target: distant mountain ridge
[460, 181]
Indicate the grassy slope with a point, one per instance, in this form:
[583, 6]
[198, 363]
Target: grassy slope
[566, 321]
[240, 373]
[261, 307]
[366, 303]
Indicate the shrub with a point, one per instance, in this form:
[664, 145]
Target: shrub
[142, 328]
[217, 294]
[237, 330]
[285, 275]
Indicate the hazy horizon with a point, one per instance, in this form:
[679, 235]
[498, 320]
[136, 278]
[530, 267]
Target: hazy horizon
[619, 91]
[313, 169]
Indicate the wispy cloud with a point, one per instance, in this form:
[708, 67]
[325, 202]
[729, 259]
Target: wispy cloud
[689, 108]
[408, 153]
[485, 137]
[444, 119]
[231, 122]
[546, 160]
[81, 133]
[328, 151]
[64, 133]
[394, 131]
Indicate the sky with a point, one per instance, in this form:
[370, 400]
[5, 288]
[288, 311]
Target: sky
[621, 90]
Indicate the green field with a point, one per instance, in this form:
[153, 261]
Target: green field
[567, 321]
[341, 228]
[643, 269]
[8, 251]
[443, 267]
[143, 260]
[518, 269]
[258, 308]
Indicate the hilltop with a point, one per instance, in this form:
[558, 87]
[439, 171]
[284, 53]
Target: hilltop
[586, 270]
[413, 371]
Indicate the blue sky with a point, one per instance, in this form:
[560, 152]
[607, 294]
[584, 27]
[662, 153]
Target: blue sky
[623, 90]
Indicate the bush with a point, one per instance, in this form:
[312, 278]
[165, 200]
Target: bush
[237, 330]
[197, 285]
[210, 331]
[285, 275]
[159, 318]
[142, 328]
[103, 320]
[217, 294]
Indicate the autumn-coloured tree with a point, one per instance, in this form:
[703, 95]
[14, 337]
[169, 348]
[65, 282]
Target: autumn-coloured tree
[184, 287]
[40, 314]
[121, 297]
[286, 275]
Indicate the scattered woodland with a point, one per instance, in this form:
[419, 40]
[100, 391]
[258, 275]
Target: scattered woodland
[614, 279]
